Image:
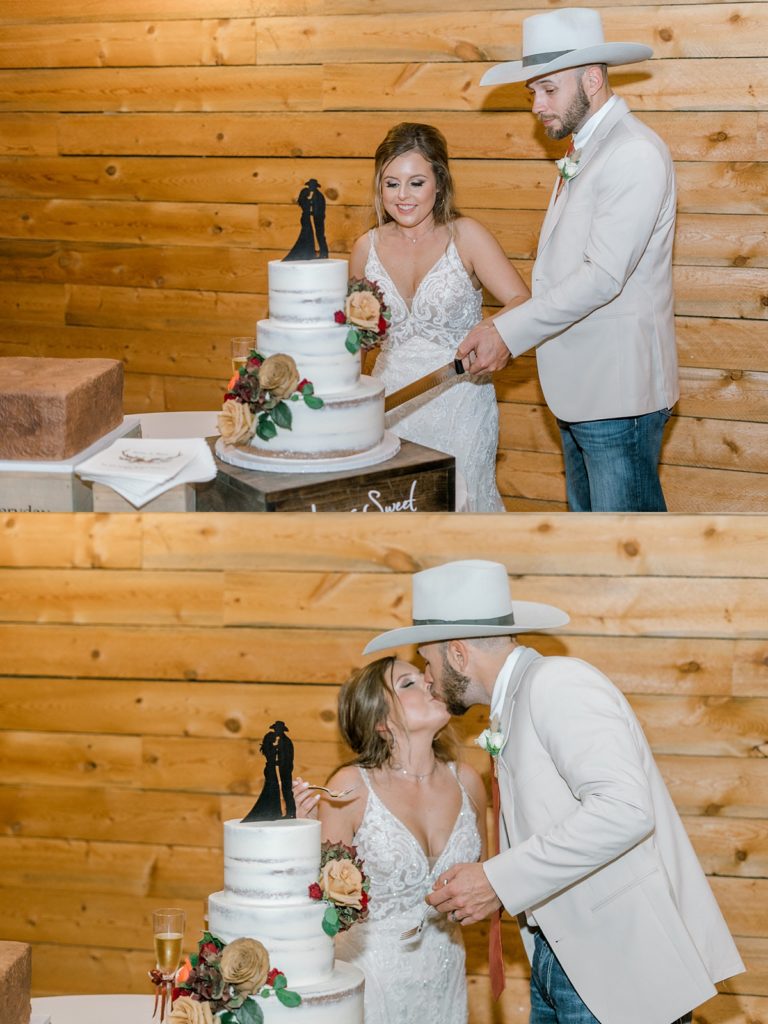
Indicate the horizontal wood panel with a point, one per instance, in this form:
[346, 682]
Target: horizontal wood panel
[712, 725]
[541, 476]
[665, 84]
[138, 10]
[57, 44]
[698, 31]
[665, 606]
[706, 240]
[702, 342]
[500, 185]
[721, 444]
[623, 545]
[638, 665]
[691, 135]
[162, 88]
[693, 84]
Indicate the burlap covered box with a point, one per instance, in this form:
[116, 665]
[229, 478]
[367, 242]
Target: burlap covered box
[54, 408]
[15, 982]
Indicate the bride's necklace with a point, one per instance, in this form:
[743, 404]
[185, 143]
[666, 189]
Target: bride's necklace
[418, 238]
[415, 775]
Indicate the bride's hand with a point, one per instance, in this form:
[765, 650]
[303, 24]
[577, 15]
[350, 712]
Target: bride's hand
[306, 799]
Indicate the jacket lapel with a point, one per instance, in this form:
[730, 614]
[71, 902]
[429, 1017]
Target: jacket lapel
[557, 203]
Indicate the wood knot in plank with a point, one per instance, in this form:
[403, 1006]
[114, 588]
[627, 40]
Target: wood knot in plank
[689, 667]
[666, 35]
[631, 548]
[233, 724]
[469, 52]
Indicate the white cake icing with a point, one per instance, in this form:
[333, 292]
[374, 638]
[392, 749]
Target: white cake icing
[268, 868]
[303, 297]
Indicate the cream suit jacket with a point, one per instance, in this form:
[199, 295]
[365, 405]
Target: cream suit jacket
[601, 308]
[594, 852]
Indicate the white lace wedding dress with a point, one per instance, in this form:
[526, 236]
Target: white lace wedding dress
[459, 417]
[414, 980]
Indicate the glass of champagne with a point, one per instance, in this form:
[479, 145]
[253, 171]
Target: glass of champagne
[240, 348]
[168, 930]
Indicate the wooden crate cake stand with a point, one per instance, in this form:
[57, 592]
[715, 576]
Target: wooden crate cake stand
[416, 479]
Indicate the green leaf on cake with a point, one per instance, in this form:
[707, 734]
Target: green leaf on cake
[313, 401]
[288, 998]
[353, 340]
[250, 1013]
[266, 429]
[282, 416]
[331, 921]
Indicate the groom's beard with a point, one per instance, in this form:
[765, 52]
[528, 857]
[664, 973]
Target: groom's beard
[454, 687]
[574, 117]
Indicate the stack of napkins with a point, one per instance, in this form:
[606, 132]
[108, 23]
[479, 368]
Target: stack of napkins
[140, 469]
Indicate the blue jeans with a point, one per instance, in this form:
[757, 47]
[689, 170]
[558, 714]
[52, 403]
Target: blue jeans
[554, 1000]
[613, 465]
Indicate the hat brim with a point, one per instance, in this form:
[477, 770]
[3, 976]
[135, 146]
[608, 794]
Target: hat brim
[603, 53]
[530, 616]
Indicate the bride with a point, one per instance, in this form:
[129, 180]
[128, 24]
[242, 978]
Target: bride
[413, 812]
[431, 265]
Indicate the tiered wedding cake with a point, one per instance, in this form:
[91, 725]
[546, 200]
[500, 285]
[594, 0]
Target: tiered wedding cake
[268, 868]
[304, 295]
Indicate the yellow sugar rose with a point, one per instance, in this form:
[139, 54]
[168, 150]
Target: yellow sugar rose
[245, 964]
[363, 310]
[279, 376]
[190, 1011]
[236, 422]
[342, 882]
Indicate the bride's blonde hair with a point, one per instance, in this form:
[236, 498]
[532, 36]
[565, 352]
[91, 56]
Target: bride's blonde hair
[430, 142]
[366, 701]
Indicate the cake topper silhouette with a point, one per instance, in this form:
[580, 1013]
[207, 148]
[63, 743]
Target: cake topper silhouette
[277, 748]
[311, 243]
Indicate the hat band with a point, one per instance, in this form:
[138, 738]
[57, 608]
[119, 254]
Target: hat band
[543, 58]
[499, 620]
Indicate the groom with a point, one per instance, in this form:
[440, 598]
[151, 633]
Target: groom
[601, 312]
[616, 914]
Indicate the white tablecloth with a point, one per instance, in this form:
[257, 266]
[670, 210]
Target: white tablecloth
[103, 1009]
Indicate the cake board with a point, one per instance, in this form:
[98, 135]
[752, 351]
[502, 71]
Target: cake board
[415, 479]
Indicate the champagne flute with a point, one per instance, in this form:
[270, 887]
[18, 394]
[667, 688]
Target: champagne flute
[168, 930]
[241, 348]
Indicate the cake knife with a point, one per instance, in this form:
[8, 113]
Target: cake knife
[423, 384]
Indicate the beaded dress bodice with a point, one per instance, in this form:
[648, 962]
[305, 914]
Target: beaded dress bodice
[459, 417]
[408, 980]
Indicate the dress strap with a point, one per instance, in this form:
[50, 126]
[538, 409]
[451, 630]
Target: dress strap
[366, 780]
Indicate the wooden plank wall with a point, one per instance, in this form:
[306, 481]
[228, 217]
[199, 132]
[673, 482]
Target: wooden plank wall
[150, 151]
[143, 657]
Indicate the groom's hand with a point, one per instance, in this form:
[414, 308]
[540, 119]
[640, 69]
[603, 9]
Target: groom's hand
[483, 351]
[464, 893]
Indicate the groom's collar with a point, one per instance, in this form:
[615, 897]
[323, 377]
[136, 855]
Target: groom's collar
[585, 132]
[502, 682]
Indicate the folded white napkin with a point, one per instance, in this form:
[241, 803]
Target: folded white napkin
[140, 469]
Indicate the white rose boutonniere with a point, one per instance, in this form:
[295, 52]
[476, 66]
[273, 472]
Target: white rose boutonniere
[492, 740]
[568, 166]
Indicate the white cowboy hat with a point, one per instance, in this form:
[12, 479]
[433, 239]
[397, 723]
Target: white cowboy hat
[466, 599]
[568, 38]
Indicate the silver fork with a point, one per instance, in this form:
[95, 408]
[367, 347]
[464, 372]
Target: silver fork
[411, 933]
[332, 793]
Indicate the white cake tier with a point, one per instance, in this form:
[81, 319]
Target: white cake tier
[339, 1000]
[347, 423]
[291, 932]
[306, 291]
[271, 860]
[319, 351]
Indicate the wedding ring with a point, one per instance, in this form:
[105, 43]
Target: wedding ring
[453, 916]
